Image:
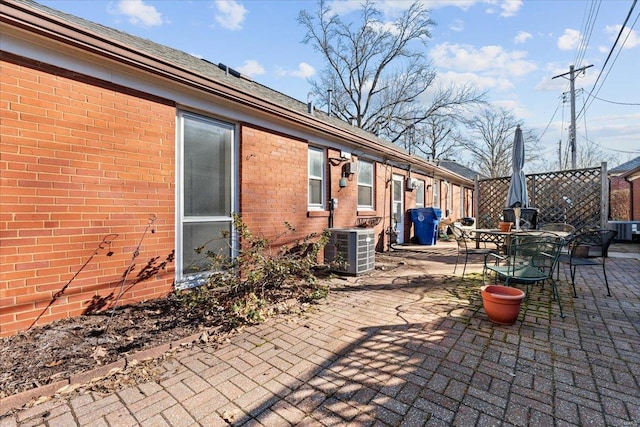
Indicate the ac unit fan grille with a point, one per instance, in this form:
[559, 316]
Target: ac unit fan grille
[353, 248]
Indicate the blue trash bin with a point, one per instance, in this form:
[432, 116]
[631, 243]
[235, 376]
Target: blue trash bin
[425, 223]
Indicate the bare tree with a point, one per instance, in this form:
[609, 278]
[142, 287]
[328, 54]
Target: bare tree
[589, 154]
[437, 138]
[490, 142]
[377, 71]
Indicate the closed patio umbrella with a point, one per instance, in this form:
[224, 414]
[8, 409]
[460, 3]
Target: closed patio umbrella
[517, 195]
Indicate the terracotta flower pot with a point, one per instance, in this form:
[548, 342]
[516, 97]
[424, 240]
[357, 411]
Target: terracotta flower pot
[505, 226]
[502, 303]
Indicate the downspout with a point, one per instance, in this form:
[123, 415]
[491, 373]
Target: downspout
[329, 199]
[384, 213]
[391, 214]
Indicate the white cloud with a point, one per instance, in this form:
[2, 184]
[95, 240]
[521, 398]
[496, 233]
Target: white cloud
[514, 106]
[522, 37]
[478, 81]
[510, 7]
[251, 68]
[391, 8]
[569, 40]
[488, 60]
[457, 25]
[505, 8]
[230, 14]
[629, 37]
[138, 13]
[304, 71]
[385, 27]
[343, 7]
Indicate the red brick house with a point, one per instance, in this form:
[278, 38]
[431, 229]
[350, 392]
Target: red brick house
[625, 191]
[118, 156]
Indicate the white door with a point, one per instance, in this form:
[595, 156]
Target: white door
[397, 202]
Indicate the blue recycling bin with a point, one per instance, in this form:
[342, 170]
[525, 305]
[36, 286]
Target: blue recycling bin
[425, 223]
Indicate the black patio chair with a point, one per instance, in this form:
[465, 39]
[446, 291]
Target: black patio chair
[589, 248]
[466, 246]
[530, 259]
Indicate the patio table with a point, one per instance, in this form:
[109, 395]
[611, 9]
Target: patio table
[490, 235]
[499, 238]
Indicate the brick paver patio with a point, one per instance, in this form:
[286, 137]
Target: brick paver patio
[403, 346]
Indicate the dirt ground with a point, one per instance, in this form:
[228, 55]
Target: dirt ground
[49, 353]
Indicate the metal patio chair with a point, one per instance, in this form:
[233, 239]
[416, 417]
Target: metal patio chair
[588, 248]
[466, 246]
[558, 226]
[530, 259]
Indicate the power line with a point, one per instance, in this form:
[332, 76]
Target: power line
[550, 121]
[615, 59]
[615, 43]
[594, 8]
[615, 102]
[608, 149]
[621, 151]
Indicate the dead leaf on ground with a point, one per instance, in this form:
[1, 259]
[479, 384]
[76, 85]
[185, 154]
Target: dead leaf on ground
[99, 353]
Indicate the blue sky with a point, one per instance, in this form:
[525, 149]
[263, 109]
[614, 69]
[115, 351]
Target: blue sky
[511, 49]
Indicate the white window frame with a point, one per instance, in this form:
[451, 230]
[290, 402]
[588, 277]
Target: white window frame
[315, 151]
[420, 187]
[188, 280]
[369, 185]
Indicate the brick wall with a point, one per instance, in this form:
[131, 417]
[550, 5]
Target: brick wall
[80, 160]
[620, 197]
[635, 215]
[274, 173]
[456, 194]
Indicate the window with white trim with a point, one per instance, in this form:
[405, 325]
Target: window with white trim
[316, 178]
[420, 194]
[206, 195]
[365, 185]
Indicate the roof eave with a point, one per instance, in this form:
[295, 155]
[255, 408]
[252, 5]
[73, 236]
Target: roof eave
[54, 28]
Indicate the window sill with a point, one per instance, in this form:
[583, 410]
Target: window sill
[367, 213]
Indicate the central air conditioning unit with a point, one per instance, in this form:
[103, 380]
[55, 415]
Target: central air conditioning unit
[626, 229]
[352, 248]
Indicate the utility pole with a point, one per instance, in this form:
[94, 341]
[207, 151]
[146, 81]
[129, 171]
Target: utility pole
[572, 128]
[560, 154]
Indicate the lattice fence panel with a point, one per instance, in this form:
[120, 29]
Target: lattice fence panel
[573, 196]
[492, 194]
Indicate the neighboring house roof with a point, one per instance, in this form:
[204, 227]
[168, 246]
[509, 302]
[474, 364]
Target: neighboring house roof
[459, 169]
[201, 74]
[626, 167]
